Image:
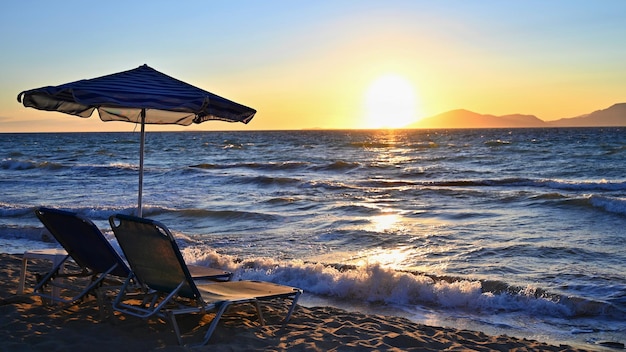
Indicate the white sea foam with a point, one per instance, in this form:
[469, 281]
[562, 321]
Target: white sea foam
[377, 284]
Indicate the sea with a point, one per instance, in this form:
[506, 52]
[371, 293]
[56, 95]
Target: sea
[506, 231]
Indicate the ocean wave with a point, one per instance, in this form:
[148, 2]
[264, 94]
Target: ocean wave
[11, 164]
[385, 145]
[356, 209]
[375, 283]
[615, 205]
[496, 143]
[121, 166]
[265, 180]
[207, 166]
[338, 165]
[124, 141]
[8, 210]
[423, 145]
[465, 215]
[36, 234]
[20, 165]
[282, 200]
[606, 203]
[195, 213]
[549, 196]
[370, 145]
[94, 213]
[610, 204]
[616, 150]
[102, 213]
[389, 183]
[327, 185]
[602, 185]
[269, 166]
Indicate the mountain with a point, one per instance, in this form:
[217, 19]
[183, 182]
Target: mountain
[467, 119]
[612, 116]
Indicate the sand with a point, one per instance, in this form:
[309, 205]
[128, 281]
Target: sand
[26, 324]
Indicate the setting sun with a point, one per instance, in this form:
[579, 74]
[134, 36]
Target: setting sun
[390, 102]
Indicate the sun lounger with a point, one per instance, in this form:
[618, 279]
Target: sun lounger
[90, 250]
[157, 263]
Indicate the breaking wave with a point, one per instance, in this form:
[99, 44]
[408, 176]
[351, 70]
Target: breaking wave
[377, 284]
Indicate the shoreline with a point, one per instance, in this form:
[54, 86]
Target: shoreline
[27, 324]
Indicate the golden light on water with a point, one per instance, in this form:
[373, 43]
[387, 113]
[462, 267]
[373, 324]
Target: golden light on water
[383, 223]
[395, 257]
[391, 257]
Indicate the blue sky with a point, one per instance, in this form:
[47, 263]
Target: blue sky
[310, 64]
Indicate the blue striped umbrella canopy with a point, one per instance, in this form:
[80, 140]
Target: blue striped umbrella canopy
[142, 95]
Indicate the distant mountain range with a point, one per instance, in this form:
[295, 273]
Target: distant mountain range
[612, 116]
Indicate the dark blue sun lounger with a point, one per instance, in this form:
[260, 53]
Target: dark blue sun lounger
[89, 249]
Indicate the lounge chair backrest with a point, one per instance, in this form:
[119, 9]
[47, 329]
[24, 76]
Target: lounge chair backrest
[83, 241]
[153, 255]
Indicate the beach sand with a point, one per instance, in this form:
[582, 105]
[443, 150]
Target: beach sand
[28, 325]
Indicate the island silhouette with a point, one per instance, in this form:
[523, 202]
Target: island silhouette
[612, 116]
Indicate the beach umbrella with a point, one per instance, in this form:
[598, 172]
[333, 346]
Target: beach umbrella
[142, 95]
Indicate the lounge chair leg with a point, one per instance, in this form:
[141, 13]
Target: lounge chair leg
[259, 312]
[172, 318]
[216, 319]
[293, 307]
[102, 301]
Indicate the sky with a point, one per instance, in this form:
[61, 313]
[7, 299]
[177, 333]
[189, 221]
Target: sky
[328, 64]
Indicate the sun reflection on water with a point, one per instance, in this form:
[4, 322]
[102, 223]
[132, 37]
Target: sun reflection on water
[394, 258]
[385, 222]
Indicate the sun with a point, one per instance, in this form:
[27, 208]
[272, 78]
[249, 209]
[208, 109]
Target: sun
[390, 102]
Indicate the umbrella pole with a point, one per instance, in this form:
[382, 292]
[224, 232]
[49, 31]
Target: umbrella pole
[141, 147]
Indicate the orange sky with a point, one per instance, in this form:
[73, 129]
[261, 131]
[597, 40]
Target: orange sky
[314, 65]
